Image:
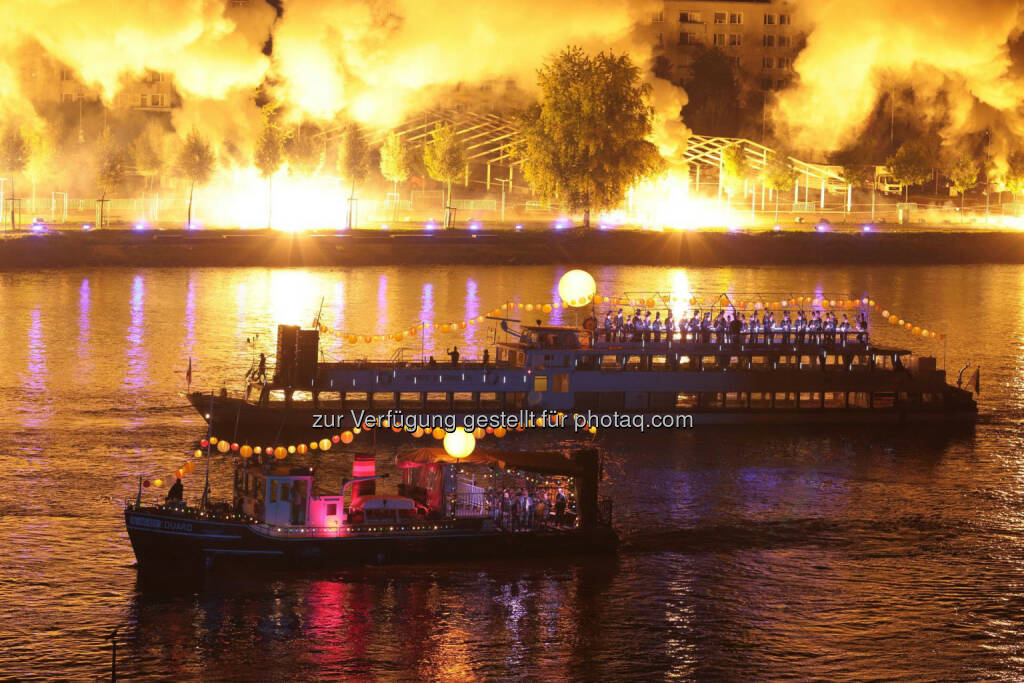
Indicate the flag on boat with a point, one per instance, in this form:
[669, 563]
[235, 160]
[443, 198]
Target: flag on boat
[975, 380]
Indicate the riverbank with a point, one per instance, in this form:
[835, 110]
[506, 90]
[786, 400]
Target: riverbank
[160, 248]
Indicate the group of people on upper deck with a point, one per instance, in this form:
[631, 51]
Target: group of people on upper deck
[820, 327]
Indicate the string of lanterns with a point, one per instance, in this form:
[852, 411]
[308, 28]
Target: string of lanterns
[459, 444]
[722, 301]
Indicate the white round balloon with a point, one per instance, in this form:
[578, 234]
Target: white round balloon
[577, 288]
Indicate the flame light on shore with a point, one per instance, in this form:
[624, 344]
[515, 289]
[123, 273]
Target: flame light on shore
[240, 198]
[667, 203]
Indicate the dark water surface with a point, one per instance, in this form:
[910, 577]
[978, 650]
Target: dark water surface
[750, 553]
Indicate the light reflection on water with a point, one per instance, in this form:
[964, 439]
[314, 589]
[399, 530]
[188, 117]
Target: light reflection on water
[750, 553]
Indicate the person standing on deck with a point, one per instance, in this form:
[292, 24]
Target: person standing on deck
[454, 355]
[561, 502]
[618, 324]
[656, 327]
[176, 492]
[670, 326]
[608, 322]
[787, 325]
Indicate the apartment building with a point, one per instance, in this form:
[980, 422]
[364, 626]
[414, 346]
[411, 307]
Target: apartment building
[761, 37]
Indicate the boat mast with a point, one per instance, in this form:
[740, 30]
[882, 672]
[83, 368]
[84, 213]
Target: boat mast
[209, 433]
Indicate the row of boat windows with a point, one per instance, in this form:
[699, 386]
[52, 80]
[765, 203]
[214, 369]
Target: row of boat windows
[612, 400]
[673, 361]
[805, 399]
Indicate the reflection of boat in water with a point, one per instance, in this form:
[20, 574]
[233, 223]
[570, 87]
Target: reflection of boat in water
[717, 378]
[443, 511]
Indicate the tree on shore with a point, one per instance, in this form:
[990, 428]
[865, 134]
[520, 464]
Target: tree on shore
[445, 160]
[778, 175]
[150, 152]
[395, 162]
[1013, 178]
[735, 169]
[15, 154]
[353, 163]
[42, 162]
[306, 150]
[195, 163]
[113, 159]
[268, 155]
[963, 176]
[713, 104]
[911, 165]
[585, 143]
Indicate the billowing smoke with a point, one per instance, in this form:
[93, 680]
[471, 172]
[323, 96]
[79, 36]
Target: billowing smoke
[209, 52]
[954, 55]
[374, 60]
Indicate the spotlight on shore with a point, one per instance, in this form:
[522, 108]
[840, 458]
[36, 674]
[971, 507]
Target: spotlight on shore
[384, 226]
[86, 226]
[519, 227]
[821, 227]
[140, 226]
[777, 228]
[474, 225]
[867, 228]
[430, 225]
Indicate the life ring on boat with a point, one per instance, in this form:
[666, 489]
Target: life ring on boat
[534, 398]
[590, 324]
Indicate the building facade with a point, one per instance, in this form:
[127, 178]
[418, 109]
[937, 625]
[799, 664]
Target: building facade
[761, 37]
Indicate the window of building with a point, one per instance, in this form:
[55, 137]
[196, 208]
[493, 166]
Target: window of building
[735, 39]
[661, 40]
[68, 97]
[736, 17]
[769, 20]
[658, 18]
[785, 41]
[767, 62]
[785, 20]
[142, 100]
[766, 84]
[784, 62]
[735, 61]
[67, 75]
[332, 509]
[273, 491]
[689, 17]
[719, 40]
[540, 383]
[768, 40]
[719, 17]
[780, 84]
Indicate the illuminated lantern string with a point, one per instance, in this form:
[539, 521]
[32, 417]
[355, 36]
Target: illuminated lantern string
[325, 444]
[346, 437]
[222, 446]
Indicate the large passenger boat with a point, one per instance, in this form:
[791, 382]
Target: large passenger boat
[716, 377]
[446, 508]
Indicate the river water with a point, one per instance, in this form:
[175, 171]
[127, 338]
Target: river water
[846, 554]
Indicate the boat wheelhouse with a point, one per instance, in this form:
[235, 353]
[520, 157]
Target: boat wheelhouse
[715, 376]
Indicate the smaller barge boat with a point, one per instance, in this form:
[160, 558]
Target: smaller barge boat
[443, 511]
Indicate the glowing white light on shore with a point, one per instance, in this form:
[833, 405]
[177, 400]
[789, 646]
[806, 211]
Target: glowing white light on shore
[867, 228]
[821, 227]
[430, 225]
[519, 227]
[777, 228]
[86, 226]
[475, 225]
[140, 226]
[384, 227]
